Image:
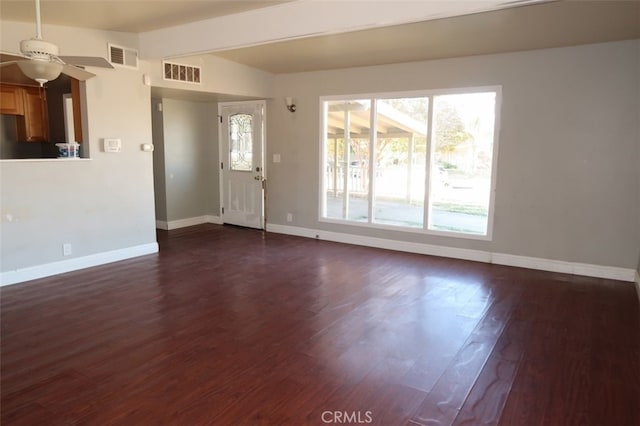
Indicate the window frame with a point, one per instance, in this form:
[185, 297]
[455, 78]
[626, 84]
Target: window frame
[431, 93]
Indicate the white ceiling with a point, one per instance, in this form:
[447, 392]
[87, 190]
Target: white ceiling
[546, 25]
[536, 26]
[133, 16]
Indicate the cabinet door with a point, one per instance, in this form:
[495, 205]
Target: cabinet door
[34, 125]
[11, 100]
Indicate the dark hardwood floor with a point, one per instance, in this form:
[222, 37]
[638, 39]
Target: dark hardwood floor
[230, 326]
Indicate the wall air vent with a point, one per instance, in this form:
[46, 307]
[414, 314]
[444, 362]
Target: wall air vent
[181, 72]
[123, 56]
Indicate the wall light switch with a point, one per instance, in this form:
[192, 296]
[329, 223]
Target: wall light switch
[276, 158]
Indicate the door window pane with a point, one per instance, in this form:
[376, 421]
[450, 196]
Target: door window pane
[400, 161]
[347, 149]
[461, 162]
[241, 142]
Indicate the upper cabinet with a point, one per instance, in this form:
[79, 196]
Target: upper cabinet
[11, 100]
[33, 126]
[29, 105]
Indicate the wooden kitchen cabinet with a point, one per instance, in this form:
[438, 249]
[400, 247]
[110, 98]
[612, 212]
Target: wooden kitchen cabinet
[11, 101]
[33, 126]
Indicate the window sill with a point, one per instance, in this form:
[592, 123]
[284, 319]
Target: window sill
[410, 230]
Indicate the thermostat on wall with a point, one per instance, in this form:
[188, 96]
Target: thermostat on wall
[111, 145]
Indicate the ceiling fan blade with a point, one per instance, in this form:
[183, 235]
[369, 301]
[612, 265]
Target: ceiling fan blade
[86, 61]
[77, 73]
[8, 57]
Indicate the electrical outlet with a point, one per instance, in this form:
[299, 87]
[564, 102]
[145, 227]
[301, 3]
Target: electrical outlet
[289, 217]
[66, 249]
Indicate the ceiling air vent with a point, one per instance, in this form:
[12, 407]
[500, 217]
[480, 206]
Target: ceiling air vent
[123, 56]
[181, 72]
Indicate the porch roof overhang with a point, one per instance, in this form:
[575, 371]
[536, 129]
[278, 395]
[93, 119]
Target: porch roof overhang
[390, 122]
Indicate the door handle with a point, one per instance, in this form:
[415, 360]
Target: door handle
[257, 177]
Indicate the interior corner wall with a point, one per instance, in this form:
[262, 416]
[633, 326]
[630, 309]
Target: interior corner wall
[159, 182]
[98, 205]
[638, 168]
[568, 180]
[212, 200]
[190, 152]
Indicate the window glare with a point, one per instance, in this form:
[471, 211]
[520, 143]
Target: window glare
[404, 174]
[461, 160]
[400, 160]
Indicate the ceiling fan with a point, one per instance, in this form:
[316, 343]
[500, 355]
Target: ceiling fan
[39, 59]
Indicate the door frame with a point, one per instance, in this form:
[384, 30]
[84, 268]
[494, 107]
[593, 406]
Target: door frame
[222, 156]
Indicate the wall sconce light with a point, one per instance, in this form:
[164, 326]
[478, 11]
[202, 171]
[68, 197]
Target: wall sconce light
[290, 105]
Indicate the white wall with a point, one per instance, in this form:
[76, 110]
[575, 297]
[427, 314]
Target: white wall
[188, 141]
[104, 206]
[219, 76]
[100, 205]
[568, 178]
[568, 185]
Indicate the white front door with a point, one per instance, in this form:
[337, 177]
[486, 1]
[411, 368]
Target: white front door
[242, 163]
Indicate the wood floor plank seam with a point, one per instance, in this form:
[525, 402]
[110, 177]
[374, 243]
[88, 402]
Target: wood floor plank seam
[436, 410]
[230, 326]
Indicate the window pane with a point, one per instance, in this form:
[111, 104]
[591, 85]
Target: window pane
[400, 159]
[241, 138]
[461, 162]
[346, 177]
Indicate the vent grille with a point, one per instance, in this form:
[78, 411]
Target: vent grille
[123, 56]
[182, 72]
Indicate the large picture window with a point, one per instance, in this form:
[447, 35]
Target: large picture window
[428, 166]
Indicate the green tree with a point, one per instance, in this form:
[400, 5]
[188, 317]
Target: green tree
[416, 108]
[450, 130]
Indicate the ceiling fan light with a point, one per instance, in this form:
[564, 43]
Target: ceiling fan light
[40, 71]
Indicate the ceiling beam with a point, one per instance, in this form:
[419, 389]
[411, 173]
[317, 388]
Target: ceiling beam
[301, 19]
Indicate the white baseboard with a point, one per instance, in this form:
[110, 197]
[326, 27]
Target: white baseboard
[574, 268]
[191, 221]
[54, 268]
[214, 219]
[456, 253]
